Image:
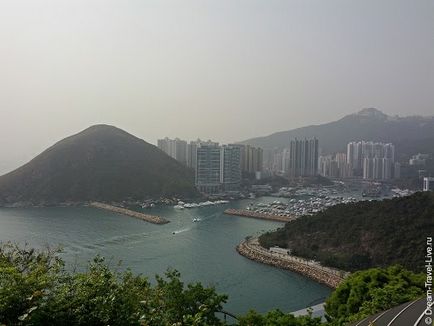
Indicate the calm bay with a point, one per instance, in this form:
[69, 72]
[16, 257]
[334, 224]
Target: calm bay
[202, 251]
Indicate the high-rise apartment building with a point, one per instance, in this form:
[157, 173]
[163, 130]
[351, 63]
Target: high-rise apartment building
[303, 158]
[230, 167]
[208, 168]
[218, 168]
[427, 183]
[192, 151]
[252, 158]
[175, 148]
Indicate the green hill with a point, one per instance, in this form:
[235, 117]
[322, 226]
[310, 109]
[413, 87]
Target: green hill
[100, 163]
[364, 234]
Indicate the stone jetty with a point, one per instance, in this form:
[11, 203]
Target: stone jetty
[145, 217]
[330, 277]
[262, 216]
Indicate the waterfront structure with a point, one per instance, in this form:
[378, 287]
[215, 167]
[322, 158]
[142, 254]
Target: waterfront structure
[208, 171]
[230, 167]
[218, 168]
[175, 148]
[303, 158]
[372, 160]
[427, 183]
[192, 151]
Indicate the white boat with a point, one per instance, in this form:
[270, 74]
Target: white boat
[196, 219]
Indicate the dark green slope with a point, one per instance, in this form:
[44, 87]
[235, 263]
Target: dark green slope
[100, 163]
[368, 124]
[364, 234]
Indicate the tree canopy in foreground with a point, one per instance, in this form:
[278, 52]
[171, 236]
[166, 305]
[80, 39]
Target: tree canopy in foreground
[36, 289]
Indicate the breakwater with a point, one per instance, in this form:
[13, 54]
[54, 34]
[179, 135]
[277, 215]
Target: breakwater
[145, 217]
[330, 277]
[262, 216]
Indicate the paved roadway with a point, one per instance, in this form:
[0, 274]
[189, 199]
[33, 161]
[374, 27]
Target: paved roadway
[408, 314]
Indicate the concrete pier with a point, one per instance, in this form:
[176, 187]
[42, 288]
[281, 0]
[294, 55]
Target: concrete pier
[144, 217]
[262, 216]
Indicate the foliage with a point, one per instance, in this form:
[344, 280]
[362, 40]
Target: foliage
[362, 235]
[35, 289]
[277, 317]
[367, 292]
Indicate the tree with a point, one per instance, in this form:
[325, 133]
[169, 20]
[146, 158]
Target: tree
[35, 289]
[367, 292]
[277, 318]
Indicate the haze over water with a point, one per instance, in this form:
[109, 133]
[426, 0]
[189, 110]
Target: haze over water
[203, 251]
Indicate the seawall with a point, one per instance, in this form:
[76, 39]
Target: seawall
[262, 216]
[145, 217]
[251, 249]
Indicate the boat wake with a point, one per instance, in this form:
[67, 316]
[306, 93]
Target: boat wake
[181, 231]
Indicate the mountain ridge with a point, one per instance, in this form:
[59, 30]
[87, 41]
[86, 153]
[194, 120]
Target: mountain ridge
[367, 124]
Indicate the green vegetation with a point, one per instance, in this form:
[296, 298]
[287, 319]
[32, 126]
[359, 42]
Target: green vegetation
[277, 317]
[36, 289]
[362, 235]
[102, 163]
[367, 292]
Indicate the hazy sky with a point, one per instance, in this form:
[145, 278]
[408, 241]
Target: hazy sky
[225, 69]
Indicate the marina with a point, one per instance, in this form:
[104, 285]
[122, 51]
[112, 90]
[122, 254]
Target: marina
[182, 205]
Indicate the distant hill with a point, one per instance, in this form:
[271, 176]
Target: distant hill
[368, 124]
[363, 234]
[100, 163]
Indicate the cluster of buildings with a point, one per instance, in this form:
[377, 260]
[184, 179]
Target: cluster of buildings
[220, 167]
[367, 159]
[373, 160]
[217, 167]
[335, 166]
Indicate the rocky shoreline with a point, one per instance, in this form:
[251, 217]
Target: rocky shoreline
[251, 249]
